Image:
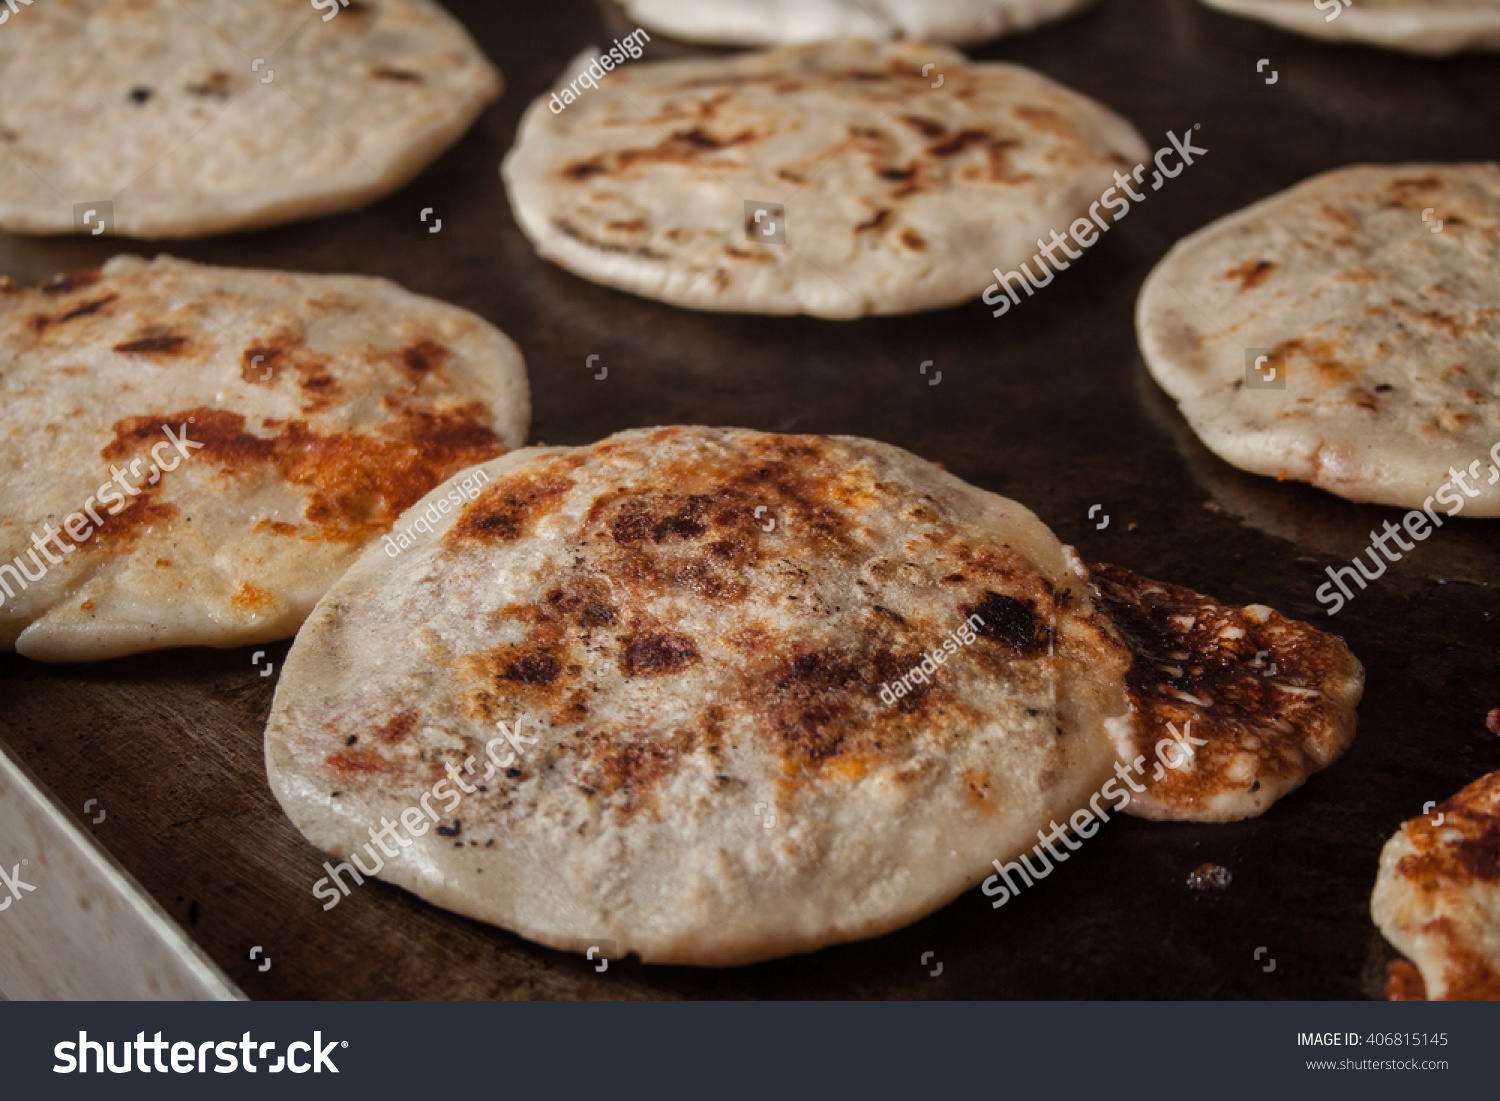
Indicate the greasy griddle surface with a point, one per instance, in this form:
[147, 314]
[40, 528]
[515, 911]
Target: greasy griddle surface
[1049, 405]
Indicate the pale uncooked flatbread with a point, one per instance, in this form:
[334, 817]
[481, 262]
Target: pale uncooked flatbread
[785, 22]
[1437, 897]
[1386, 334]
[316, 408]
[703, 630]
[165, 109]
[1433, 27]
[898, 196]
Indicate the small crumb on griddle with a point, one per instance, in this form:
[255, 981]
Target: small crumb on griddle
[1492, 721]
[1210, 877]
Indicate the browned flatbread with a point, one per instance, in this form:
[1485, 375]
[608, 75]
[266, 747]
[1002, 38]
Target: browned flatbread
[701, 629]
[898, 194]
[194, 117]
[717, 777]
[312, 411]
[1270, 699]
[1437, 897]
[1367, 293]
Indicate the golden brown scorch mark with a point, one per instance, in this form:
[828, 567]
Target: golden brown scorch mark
[1467, 846]
[215, 86]
[1252, 273]
[957, 143]
[1412, 191]
[681, 147]
[265, 360]
[423, 357]
[928, 128]
[42, 322]
[508, 506]
[568, 229]
[355, 762]
[626, 772]
[397, 729]
[654, 653]
[1323, 356]
[357, 484]
[155, 341]
[251, 599]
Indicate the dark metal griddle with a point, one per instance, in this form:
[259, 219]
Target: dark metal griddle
[1050, 405]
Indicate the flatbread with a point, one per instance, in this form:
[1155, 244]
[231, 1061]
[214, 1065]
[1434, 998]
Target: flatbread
[898, 196]
[316, 409]
[703, 629]
[789, 22]
[1385, 333]
[207, 116]
[1292, 515]
[691, 676]
[1233, 707]
[1437, 897]
[1431, 27]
